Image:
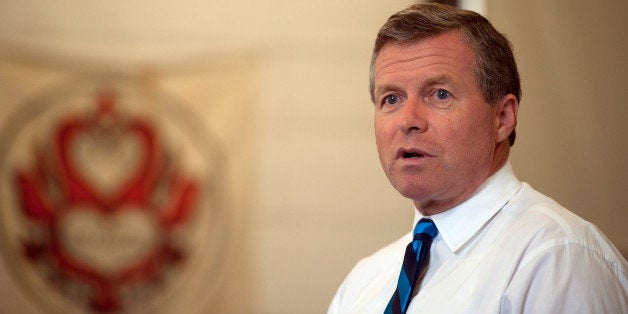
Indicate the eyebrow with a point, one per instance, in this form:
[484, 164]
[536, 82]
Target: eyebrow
[383, 88]
[439, 79]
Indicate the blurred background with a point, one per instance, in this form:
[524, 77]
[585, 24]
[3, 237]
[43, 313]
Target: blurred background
[261, 185]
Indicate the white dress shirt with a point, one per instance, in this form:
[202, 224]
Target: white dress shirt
[507, 249]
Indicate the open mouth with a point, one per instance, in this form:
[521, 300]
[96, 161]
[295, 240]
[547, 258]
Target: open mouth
[412, 155]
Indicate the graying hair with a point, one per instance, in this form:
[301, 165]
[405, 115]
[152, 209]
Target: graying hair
[496, 70]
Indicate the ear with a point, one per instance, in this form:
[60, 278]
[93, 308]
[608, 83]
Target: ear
[506, 116]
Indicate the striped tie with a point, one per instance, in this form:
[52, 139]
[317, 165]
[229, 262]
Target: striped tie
[413, 262]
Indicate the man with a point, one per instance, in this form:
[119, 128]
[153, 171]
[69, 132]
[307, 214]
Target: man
[446, 93]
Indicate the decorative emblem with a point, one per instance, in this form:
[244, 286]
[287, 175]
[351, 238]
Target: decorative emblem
[106, 203]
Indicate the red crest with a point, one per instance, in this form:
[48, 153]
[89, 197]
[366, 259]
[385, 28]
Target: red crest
[108, 204]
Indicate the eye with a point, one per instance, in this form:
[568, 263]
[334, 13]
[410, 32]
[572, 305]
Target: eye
[391, 99]
[442, 94]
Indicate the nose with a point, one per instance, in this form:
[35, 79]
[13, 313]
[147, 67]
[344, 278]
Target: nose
[413, 117]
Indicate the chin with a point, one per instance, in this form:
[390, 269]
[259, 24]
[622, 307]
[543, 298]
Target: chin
[412, 191]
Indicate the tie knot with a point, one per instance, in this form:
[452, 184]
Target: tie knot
[425, 227]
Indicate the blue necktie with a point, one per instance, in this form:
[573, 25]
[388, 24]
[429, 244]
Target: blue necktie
[413, 263]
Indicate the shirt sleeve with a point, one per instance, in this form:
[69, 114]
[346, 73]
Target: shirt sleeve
[568, 278]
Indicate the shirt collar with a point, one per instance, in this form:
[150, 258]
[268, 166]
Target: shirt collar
[458, 224]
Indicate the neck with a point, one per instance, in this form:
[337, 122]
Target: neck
[502, 150]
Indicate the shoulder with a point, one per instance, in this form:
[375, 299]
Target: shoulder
[562, 255]
[548, 225]
[546, 218]
[554, 252]
[370, 279]
[380, 264]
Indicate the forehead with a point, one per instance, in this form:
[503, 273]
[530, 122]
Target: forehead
[443, 54]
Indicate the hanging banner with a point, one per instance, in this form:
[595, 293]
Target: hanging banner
[114, 197]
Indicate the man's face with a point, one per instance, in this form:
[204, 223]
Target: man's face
[435, 134]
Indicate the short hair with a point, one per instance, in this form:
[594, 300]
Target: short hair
[495, 68]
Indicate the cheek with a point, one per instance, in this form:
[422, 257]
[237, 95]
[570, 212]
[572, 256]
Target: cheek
[379, 138]
[384, 137]
[480, 140]
[470, 138]
[382, 145]
[382, 133]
